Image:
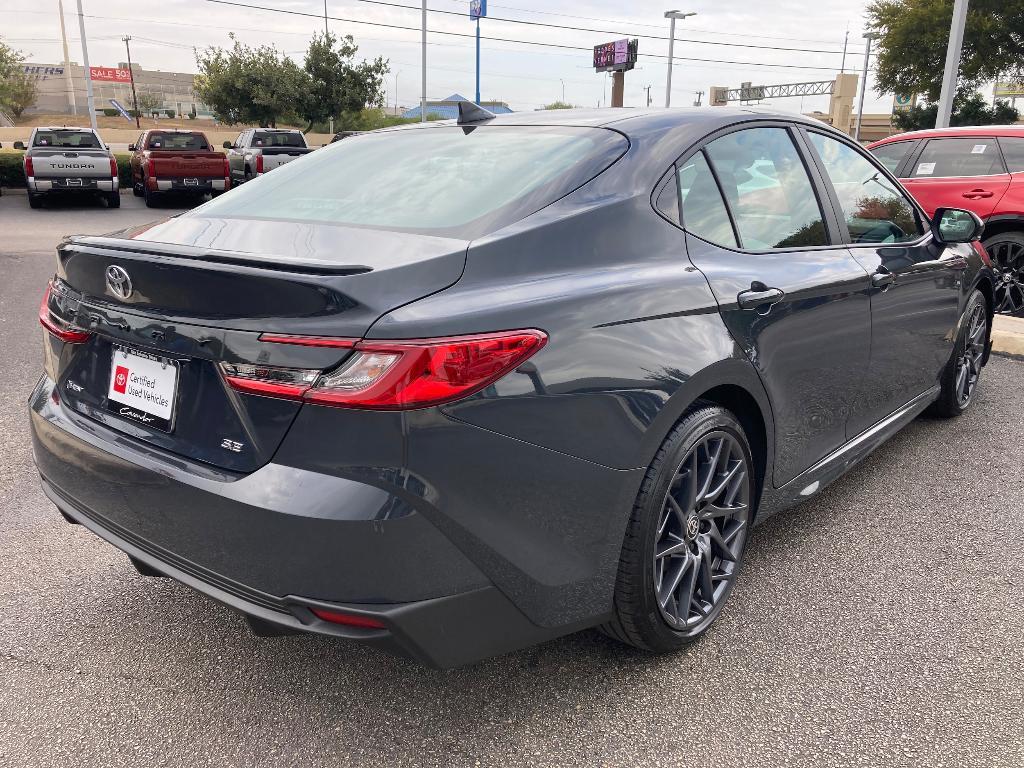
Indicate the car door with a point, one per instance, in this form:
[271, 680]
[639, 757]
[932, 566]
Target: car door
[787, 288]
[958, 173]
[236, 157]
[916, 283]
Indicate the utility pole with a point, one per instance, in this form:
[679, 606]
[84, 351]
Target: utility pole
[949, 75]
[423, 51]
[563, 89]
[846, 40]
[396, 90]
[131, 74]
[69, 84]
[700, 95]
[673, 15]
[868, 37]
[648, 89]
[88, 72]
[327, 32]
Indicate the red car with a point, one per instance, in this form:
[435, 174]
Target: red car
[172, 161]
[978, 168]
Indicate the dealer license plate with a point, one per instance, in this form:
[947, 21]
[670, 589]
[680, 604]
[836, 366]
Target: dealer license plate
[143, 388]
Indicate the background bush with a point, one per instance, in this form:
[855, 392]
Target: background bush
[12, 168]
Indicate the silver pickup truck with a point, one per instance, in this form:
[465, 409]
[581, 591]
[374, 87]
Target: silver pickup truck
[74, 160]
[260, 150]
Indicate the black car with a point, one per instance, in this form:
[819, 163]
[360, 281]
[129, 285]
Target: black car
[457, 388]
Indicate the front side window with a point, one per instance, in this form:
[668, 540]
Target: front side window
[447, 181]
[874, 209]
[768, 190]
[891, 155]
[704, 211]
[958, 157]
[1013, 151]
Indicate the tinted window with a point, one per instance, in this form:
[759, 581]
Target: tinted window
[958, 157]
[194, 141]
[891, 155]
[704, 211]
[436, 180]
[1013, 151]
[875, 210]
[277, 139]
[81, 139]
[768, 190]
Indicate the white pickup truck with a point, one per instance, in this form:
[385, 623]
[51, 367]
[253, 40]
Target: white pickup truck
[260, 150]
[69, 160]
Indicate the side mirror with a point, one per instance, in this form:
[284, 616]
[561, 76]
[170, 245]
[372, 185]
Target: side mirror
[131, 147]
[228, 145]
[955, 225]
[19, 145]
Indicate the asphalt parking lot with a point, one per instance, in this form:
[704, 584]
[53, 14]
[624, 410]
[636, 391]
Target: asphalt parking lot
[879, 625]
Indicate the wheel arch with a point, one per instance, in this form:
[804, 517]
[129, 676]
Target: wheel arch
[1003, 223]
[734, 385]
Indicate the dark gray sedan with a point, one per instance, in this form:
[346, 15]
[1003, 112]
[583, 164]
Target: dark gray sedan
[457, 388]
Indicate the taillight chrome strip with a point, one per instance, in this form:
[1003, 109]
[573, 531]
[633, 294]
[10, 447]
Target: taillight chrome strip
[308, 341]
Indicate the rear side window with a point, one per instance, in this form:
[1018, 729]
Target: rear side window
[194, 141]
[767, 188]
[875, 210]
[73, 139]
[704, 211]
[958, 157]
[891, 155]
[277, 139]
[442, 180]
[1013, 152]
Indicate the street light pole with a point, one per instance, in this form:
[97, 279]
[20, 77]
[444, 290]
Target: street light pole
[67, 61]
[868, 37]
[563, 89]
[131, 74]
[88, 72]
[423, 92]
[396, 90]
[673, 15]
[949, 75]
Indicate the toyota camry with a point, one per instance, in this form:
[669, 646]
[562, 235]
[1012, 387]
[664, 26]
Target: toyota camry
[457, 388]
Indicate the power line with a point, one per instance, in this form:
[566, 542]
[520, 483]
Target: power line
[508, 40]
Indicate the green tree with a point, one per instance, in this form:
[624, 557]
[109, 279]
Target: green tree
[336, 85]
[149, 102]
[969, 109]
[914, 35]
[17, 89]
[250, 85]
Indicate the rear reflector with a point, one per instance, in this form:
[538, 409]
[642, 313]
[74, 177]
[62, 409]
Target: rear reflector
[392, 375]
[348, 619]
[63, 330]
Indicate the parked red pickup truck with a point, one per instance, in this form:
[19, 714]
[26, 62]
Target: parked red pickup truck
[177, 162]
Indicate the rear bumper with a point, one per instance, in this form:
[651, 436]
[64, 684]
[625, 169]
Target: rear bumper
[40, 186]
[278, 541]
[201, 185]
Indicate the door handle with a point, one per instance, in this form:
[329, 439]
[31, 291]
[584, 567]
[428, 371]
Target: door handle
[882, 278]
[977, 194]
[759, 295]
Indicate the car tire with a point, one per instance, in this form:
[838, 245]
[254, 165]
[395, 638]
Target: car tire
[1007, 253]
[150, 196]
[703, 470]
[137, 190]
[113, 199]
[960, 377]
[35, 201]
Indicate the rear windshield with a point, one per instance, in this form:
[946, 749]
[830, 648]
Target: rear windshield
[80, 139]
[442, 180]
[277, 139]
[177, 141]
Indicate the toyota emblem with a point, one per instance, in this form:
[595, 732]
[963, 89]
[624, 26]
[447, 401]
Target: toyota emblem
[118, 281]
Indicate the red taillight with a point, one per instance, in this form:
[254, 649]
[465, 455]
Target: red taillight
[113, 167]
[382, 375]
[150, 173]
[417, 374]
[57, 327]
[259, 163]
[227, 174]
[29, 170]
[349, 619]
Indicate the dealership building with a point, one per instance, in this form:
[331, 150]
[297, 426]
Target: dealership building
[59, 94]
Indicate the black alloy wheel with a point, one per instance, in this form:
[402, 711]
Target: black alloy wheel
[1007, 254]
[701, 533]
[687, 535]
[968, 364]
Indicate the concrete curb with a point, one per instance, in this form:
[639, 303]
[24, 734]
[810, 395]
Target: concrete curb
[1008, 335]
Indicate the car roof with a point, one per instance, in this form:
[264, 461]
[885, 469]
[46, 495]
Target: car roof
[62, 128]
[965, 131]
[172, 130]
